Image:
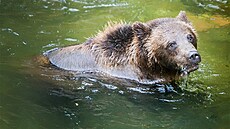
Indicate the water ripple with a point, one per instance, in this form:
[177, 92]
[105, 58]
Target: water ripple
[171, 101]
[71, 39]
[9, 30]
[105, 5]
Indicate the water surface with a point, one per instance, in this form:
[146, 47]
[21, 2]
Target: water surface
[36, 97]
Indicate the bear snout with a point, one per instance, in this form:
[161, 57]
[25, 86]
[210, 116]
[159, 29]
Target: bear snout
[194, 57]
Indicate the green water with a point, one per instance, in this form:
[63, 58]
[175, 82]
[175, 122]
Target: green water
[33, 97]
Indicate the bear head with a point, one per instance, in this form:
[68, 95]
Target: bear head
[170, 44]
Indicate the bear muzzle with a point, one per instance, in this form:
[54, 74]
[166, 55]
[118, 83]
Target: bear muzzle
[194, 59]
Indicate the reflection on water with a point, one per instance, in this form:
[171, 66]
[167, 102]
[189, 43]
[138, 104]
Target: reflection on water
[32, 96]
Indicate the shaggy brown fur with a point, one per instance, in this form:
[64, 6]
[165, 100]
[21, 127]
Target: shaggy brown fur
[160, 49]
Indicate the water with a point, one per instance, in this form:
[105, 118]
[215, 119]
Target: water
[32, 96]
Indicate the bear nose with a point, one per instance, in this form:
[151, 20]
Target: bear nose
[194, 57]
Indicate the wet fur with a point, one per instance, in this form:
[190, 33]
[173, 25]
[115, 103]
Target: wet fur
[122, 50]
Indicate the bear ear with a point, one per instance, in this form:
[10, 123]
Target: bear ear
[141, 30]
[182, 16]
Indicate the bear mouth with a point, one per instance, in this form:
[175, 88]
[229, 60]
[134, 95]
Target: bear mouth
[188, 69]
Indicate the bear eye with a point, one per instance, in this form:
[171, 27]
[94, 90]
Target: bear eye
[190, 38]
[172, 45]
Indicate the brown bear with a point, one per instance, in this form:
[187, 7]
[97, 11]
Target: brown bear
[159, 50]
